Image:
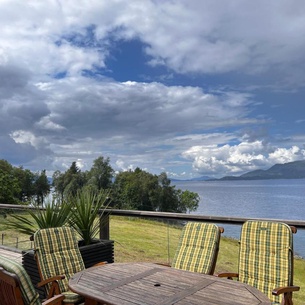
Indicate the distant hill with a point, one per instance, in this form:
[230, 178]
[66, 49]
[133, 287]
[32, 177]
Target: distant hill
[291, 170]
[202, 178]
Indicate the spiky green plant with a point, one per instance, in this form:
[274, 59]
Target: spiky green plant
[54, 214]
[88, 210]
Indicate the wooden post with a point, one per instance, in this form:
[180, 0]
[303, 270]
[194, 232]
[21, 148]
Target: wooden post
[104, 226]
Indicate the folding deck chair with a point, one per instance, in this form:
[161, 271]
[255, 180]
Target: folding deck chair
[16, 287]
[198, 248]
[266, 259]
[57, 254]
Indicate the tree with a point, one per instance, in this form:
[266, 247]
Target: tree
[26, 180]
[69, 182]
[58, 184]
[136, 190]
[9, 185]
[101, 174]
[188, 201]
[9, 188]
[168, 200]
[42, 187]
[141, 190]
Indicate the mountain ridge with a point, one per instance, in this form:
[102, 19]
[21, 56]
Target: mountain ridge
[290, 170]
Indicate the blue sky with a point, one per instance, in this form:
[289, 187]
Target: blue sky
[192, 88]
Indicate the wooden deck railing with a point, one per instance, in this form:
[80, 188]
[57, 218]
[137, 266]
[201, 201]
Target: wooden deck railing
[104, 224]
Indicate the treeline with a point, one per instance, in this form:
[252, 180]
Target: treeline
[133, 189]
[18, 185]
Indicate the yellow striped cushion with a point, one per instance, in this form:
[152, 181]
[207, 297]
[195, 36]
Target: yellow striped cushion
[57, 252]
[266, 253]
[197, 248]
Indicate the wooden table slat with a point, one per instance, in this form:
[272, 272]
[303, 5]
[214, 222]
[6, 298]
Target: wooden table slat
[151, 284]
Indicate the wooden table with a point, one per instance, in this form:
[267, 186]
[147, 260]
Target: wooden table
[147, 283]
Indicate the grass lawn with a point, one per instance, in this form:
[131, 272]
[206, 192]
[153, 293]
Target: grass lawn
[144, 240]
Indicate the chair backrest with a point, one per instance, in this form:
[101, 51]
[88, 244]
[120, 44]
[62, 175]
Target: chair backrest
[198, 248]
[16, 287]
[57, 253]
[266, 256]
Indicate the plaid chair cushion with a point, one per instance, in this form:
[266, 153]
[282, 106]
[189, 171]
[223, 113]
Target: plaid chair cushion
[266, 254]
[29, 294]
[57, 253]
[197, 248]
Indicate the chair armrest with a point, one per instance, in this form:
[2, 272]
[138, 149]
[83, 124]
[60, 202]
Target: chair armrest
[51, 279]
[280, 290]
[54, 289]
[56, 300]
[228, 275]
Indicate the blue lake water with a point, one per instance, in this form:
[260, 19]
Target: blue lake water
[278, 199]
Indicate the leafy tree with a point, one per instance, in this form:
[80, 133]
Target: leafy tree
[101, 174]
[188, 201]
[26, 180]
[58, 184]
[68, 182]
[19, 185]
[9, 185]
[136, 190]
[74, 179]
[5, 166]
[9, 188]
[42, 187]
[141, 190]
[168, 201]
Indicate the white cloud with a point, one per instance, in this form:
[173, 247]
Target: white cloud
[123, 167]
[57, 115]
[217, 37]
[223, 160]
[284, 155]
[26, 137]
[204, 36]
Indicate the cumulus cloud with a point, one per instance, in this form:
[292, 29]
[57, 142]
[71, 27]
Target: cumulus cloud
[204, 36]
[57, 105]
[87, 117]
[214, 37]
[220, 160]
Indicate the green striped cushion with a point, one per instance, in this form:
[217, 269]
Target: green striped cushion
[29, 294]
[266, 253]
[197, 248]
[58, 254]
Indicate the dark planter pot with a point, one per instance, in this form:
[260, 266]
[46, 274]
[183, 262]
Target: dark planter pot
[98, 251]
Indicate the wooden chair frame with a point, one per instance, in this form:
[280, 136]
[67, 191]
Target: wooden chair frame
[10, 292]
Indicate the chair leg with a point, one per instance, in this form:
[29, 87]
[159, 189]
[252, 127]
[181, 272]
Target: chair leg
[287, 299]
